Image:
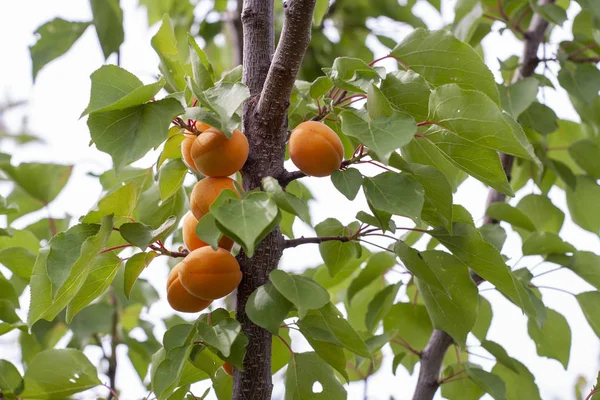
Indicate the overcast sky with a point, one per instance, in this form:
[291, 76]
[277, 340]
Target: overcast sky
[62, 92]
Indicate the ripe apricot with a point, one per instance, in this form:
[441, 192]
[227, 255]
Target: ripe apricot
[201, 126]
[215, 155]
[193, 242]
[206, 191]
[316, 149]
[186, 147]
[179, 298]
[210, 274]
[228, 368]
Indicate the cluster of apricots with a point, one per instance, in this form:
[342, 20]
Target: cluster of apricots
[205, 274]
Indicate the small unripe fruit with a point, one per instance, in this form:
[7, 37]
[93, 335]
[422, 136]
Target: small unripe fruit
[228, 368]
[179, 298]
[316, 149]
[186, 147]
[216, 155]
[210, 274]
[205, 192]
[193, 242]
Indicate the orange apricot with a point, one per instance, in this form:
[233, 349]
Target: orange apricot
[215, 155]
[193, 242]
[228, 368]
[206, 191]
[201, 126]
[210, 274]
[316, 149]
[186, 147]
[179, 298]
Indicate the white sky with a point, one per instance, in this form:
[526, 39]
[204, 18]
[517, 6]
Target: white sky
[62, 92]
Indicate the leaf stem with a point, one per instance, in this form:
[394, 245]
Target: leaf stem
[121, 246]
[286, 344]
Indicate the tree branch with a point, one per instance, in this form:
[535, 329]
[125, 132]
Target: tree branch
[320, 239]
[295, 37]
[434, 352]
[114, 342]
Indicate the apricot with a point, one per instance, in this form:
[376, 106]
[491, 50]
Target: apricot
[186, 147]
[210, 274]
[179, 298]
[205, 192]
[216, 155]
[316, 149]
[228, 368]
[193, 242]
[201, 126]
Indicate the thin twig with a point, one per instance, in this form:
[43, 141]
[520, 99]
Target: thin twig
[317, 239]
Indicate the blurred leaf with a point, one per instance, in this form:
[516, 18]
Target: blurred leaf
[553, 340]
[134, 267]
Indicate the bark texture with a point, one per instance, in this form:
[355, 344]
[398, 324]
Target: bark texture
[433, 354]
[270, 79]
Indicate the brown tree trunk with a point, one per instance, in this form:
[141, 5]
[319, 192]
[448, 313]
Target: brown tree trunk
[270, 77]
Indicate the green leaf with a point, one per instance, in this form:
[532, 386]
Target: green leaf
[220, 336]
[481, 163]
[382, 135]
[582, 204]
[546, 217]
[585, 152]
[128, 134]
[514, 216]
[437, 205]
[92, 320]
[65, 250]
[6, 208]
[588, 301]
[484, 319]
[306, 369]
[57, 373]
[108, 21]
[414, 262]
[20, 238]
[398, 194]
[453, 309]
[488, 382]
[380, 306]
[407, 91]
[336, 254]
[134, 267]
[517, 97]
[493, 234]
[266, 307]
[483, 258]
[320, 86]
[171, 62]
[520, 384]
[41, 181]
[321, 8]
[114, 88]
[46, 306]
[500, 354]
[461, 389]
[54, 39]
[142, 235]
[11, 381]
[539, 117]
[352, 74]
[545, 243]
[328, 324]
[286, 201]
[330, 353]
[377, 266]
[440, 58]
[377, 104]
[223, 100]
[18, 260]
[207, 231]
[582, 82]
[247, 220]
[120, 203]
[303, 292]
[154, 212]
[102, 274]
[587, 265]
[347, 182]
[473, 116]
[202, 71]
[172, 147]
[553, 340]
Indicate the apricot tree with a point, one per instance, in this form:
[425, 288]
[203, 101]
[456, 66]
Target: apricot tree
[401, 281]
